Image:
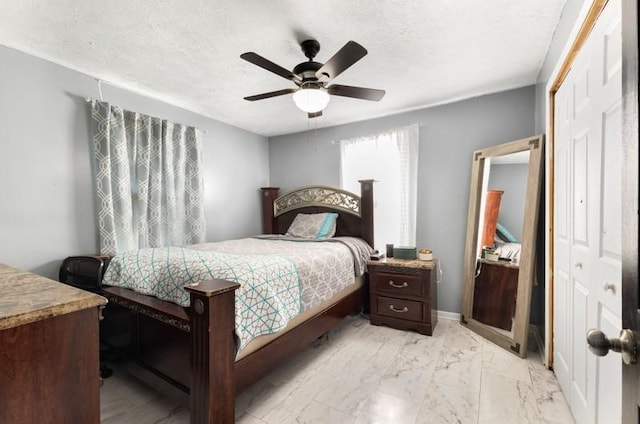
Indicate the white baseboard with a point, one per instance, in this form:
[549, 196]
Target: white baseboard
[454, 316]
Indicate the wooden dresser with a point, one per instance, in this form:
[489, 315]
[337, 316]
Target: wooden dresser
[49, 366]
[494, 294]
[404, 294]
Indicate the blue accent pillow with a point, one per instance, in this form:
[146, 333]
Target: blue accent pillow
[328, 226]
[504, 234]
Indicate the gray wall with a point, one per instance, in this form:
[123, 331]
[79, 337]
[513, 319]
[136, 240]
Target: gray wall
[449, 134]
[561, 35]
[512, 179]
[47, 209]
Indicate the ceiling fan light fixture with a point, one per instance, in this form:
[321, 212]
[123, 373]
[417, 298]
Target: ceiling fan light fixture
[311, 100]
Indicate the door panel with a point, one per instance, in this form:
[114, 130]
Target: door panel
[581, 89]
[579, 358]
[562, 330]
[609, 373]
[611, 237]
[607, 275]
[580, 175]
[612, 50]
[562, 185]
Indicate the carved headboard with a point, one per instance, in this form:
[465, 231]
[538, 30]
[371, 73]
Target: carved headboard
[355, 213]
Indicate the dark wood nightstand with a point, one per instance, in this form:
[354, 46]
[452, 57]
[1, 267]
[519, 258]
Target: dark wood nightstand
[404, 294]
[494, 295]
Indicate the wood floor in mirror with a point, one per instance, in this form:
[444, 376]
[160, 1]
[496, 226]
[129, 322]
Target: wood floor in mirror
[360, 373]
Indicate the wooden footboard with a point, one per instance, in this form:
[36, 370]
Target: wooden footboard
[194, 348]
[212, 396]
[191, 348]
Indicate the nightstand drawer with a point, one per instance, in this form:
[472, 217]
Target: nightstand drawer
[398, 284]
[400, 308]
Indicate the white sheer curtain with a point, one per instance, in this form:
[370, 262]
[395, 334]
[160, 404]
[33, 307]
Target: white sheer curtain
[390, 158]
[148, 181]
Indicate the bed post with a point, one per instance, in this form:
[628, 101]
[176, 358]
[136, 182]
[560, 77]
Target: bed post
[269, 194]
[366, 199]
[213, 351]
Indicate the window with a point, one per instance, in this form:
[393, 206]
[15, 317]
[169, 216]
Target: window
[390, 158]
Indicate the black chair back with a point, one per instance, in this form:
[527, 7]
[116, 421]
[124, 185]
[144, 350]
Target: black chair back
[84, 272]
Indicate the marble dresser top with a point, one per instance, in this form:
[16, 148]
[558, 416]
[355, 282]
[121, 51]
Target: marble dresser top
[403, 263]
[27, 297]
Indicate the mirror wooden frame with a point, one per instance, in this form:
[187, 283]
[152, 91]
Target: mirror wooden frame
[526, 274]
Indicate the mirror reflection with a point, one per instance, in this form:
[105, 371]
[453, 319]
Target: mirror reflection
[500, 250]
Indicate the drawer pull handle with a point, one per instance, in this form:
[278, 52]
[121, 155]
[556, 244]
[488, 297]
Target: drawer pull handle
[403, 310]
[398, 286]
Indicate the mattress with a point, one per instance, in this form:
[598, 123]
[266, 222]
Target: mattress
[279, 278]
[261, 341]
[509, 251]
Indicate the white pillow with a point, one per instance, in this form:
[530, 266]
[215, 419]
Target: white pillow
[313, 226]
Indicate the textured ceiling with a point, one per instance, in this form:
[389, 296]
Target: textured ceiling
[187, 52]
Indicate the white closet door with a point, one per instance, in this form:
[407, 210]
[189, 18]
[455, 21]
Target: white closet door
[587, 222]
[605, 225]
[562, 244]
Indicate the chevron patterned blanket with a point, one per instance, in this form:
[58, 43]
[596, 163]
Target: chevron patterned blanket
[268, 297]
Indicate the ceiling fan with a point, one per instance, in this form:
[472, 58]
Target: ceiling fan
[312, 92]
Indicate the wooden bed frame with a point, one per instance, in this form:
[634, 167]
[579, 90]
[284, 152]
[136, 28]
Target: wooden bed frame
[194, 348]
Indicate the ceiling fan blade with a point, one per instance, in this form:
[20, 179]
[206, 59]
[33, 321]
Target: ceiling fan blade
[270, 94]
[356, 92]
[314, 115]
[349, 54]
[260, 61]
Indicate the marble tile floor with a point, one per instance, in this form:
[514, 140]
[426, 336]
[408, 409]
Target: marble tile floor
[361, 373]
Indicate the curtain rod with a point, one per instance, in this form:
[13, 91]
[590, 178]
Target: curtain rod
[89, 100]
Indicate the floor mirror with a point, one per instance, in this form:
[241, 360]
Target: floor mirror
[501, 238]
